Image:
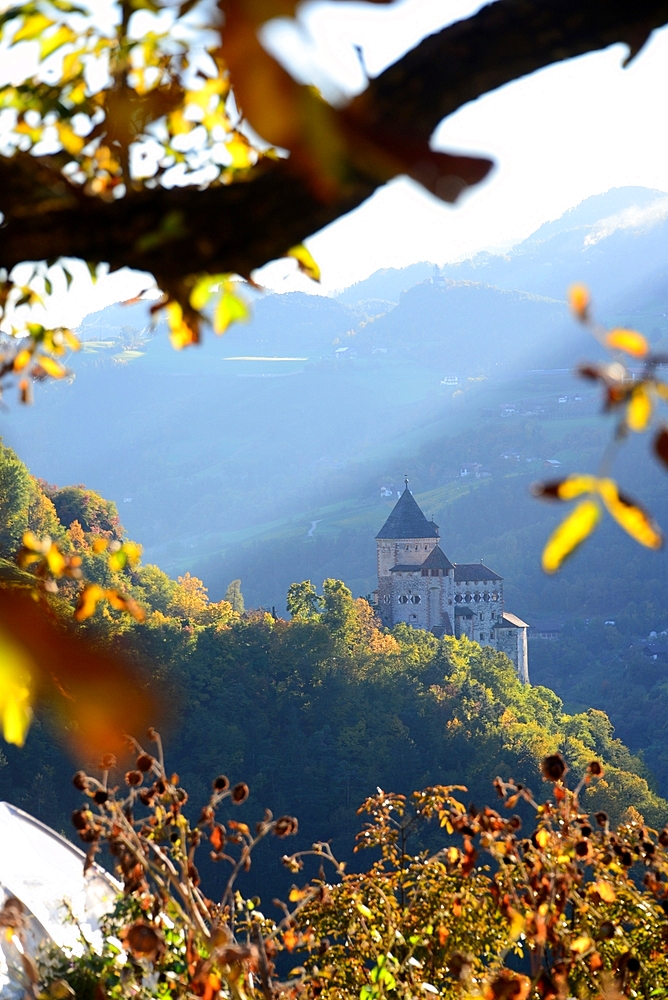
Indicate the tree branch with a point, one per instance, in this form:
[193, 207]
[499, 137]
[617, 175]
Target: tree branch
[245, 225]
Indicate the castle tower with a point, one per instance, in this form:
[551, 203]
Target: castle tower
[414, 575]
[418, 585]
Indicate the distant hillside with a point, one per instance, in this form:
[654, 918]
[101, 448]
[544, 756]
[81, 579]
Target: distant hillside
[317, 400]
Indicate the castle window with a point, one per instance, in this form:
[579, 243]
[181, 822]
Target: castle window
[459, 598]
[485, 596]
[416, 598]
[495, 596]
[467, 598]
[386, 599]
[476, 598]
[403, 599]
[482, 636]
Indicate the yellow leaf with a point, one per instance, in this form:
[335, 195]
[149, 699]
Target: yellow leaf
[578, 299]
[62, 36]
[230, 309]
[307, 264]
[69, 140]
[32, 28]
[639, 412]
[453, 855]
[605, 891]
[517, 923]
[55, 560]
[88, 601]
[581, 944]
[365, 911]
[22, 359]
[240, 152]
[575, 486]
[542, 837]
[51, 367]
[100, 544]
[181, 335]
[633, 519]
[572, 532]
[629, 341]
[15, 691]
[297, 894]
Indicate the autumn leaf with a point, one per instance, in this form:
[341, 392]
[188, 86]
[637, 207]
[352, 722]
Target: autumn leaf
[637, 522]
[639, 411]
[629, 341]
[181, 333]
[50, 366]
[296, 895]
[290, 939]
[578, 300]
[581, 944]
[564, 489]
[306, 262]
[22, 360]
[605, 891]
[33, 26]
[16, 681]
[97, 695]
[542, 838]
[570, 534]
[89, 598]
[230, 309]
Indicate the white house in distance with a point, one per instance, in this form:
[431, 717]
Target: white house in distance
[418, 585]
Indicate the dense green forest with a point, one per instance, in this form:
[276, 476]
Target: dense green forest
[313, 712]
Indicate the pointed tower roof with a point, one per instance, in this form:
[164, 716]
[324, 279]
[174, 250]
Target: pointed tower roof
[437, 559]
[407, 520]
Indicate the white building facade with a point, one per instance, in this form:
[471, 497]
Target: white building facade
[418, 585]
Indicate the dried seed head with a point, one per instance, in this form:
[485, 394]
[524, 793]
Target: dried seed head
[79, 781]
[595, 769]
[286, 826]
[79, 819]
[553, 767]
[134, 777]
[221, 784]
[108, 761]
[143, 941]
[601, 818]
[240, 793]
[144, 762]
[101, 797]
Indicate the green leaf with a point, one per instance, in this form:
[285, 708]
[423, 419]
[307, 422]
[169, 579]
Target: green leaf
[230, 309]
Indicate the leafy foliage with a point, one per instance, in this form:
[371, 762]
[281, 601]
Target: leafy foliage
[581, 905]
[634, 399]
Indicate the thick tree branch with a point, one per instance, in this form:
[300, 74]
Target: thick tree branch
[243, 226]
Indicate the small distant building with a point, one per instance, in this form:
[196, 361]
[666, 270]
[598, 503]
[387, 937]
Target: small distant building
[552, 463]
[550, 630]
[656, 650]
[473, 469]
[418, 585]
[387, 491]
[450, 380]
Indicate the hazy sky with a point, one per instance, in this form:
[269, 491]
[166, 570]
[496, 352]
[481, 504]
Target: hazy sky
[558, 136]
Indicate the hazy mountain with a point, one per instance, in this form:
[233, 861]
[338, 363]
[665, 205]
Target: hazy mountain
[316, 399]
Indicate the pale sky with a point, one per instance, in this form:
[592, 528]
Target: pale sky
[575, 129]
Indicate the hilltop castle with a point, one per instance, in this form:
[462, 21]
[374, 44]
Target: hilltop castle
[418, 584]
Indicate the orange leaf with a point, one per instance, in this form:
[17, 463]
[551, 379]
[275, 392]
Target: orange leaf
[89, 599]
[22, 359]
[629, 341]
[290, 940]
[578, 300]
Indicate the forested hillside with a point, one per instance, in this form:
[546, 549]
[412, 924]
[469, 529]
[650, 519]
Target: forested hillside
[313, 712]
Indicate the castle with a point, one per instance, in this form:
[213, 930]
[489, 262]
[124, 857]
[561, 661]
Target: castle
[418, 585]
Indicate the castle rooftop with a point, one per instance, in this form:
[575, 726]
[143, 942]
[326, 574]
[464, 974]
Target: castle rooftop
[407, 520]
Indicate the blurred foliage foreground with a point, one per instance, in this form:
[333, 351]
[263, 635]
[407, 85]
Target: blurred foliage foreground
[317, 712]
